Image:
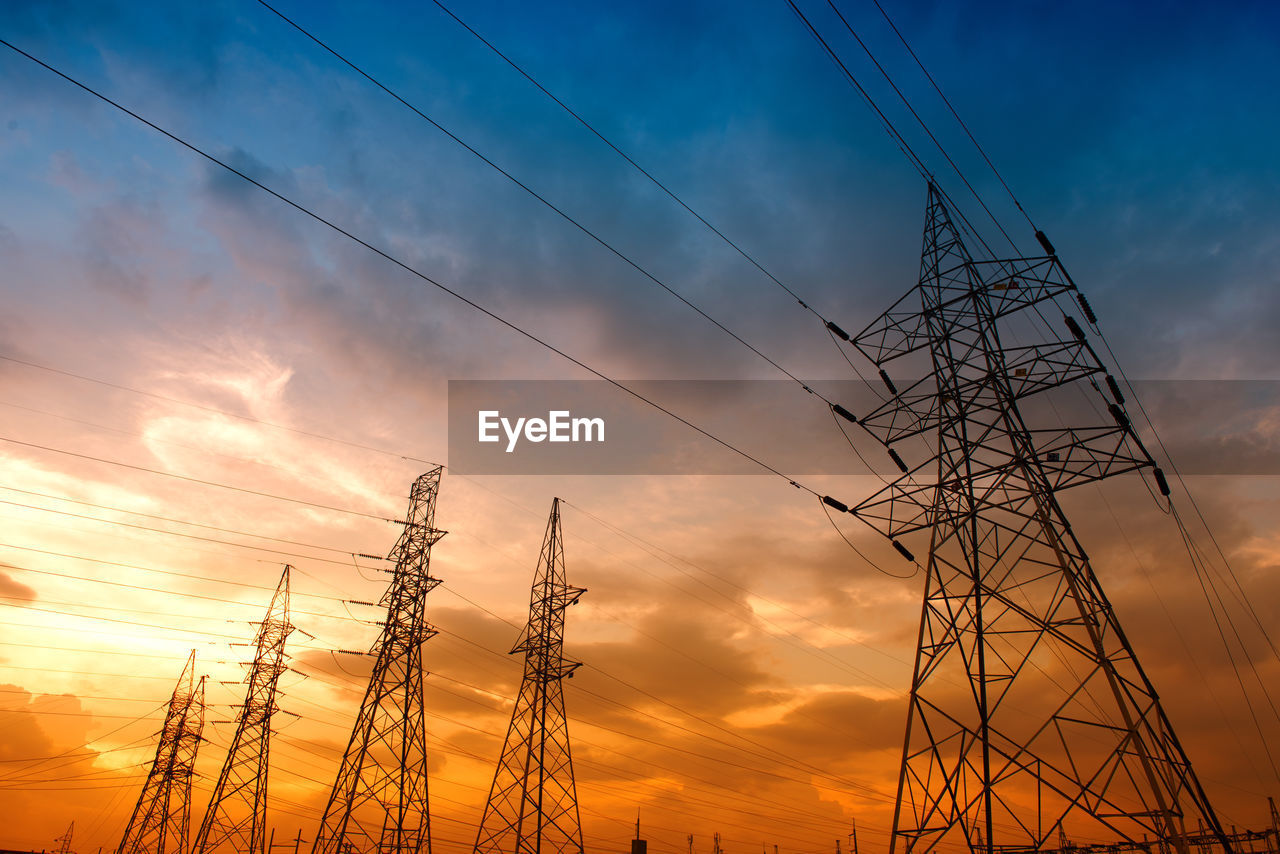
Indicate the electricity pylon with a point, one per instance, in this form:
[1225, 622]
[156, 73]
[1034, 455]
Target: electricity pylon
[64, 841]
[1029, 712]
[162, 816]
[236, 819]
[379, 800]
[533, 802]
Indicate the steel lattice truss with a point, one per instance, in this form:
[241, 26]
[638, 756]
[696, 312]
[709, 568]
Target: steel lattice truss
[236, 820]
[379, 799]
[1029, 712]
[533, 803]
[161, 818]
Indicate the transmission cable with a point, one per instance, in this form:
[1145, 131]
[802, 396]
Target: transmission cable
[588, 232]
[153, 530]
[189, 403]
[411, 270]
[201, 481]
[661, 186]
[890, 128]
[171, 519]
[947, 101]
[192, 576]
[921, 122]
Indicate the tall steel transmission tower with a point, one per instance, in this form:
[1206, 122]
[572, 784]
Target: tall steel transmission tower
[379, 800]
[162, 816]
[533, 802]
[1029, 713]
[236, 820]
[64, 841]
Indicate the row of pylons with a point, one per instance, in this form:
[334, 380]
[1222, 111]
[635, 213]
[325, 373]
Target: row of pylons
[1029, 714]
[379, 800]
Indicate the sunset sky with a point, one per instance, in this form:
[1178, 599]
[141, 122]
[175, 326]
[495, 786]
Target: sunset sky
[171, 331]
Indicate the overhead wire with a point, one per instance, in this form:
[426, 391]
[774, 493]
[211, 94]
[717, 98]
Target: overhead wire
[890, 128]
[407, 268]
[831, 405]
[154, 530]
[188, 479]
[646, 173]
[148, 438]
[922, 123]
[606, 766]
[961, 122]
[159, 518]
[550, 205]
[212, 409]
[475, 604]
[1206, 585]
[827, 512]
[193, 576]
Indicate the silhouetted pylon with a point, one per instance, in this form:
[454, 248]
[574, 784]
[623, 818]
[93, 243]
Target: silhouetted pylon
[1029, 713]
[236, 819]
[379, 800]
[162, 816]
[533, 803]
[64, 841]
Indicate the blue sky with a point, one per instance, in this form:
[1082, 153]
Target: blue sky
[1137, 140]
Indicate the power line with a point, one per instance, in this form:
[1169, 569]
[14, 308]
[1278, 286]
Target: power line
[607, 766]
[888, 126]
[222, 635]
[182, 593]
[189, 479]
[636, 266]
[140, 568]
[947, 101]
[155, 530]
[409, 269]
[661, 186]
[921, 121]
[171, 519]
[204, 407]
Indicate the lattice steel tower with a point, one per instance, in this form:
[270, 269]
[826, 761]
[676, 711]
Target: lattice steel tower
[1029, 712]
[236, 820]
[379, 799]
[162, 816]
[64, 841]
[533, 802]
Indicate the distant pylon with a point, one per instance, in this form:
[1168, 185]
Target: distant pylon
[162, 816]
[236, 819]
[64, 841]
[533, 802]
[379, 800]
[1029, 713]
